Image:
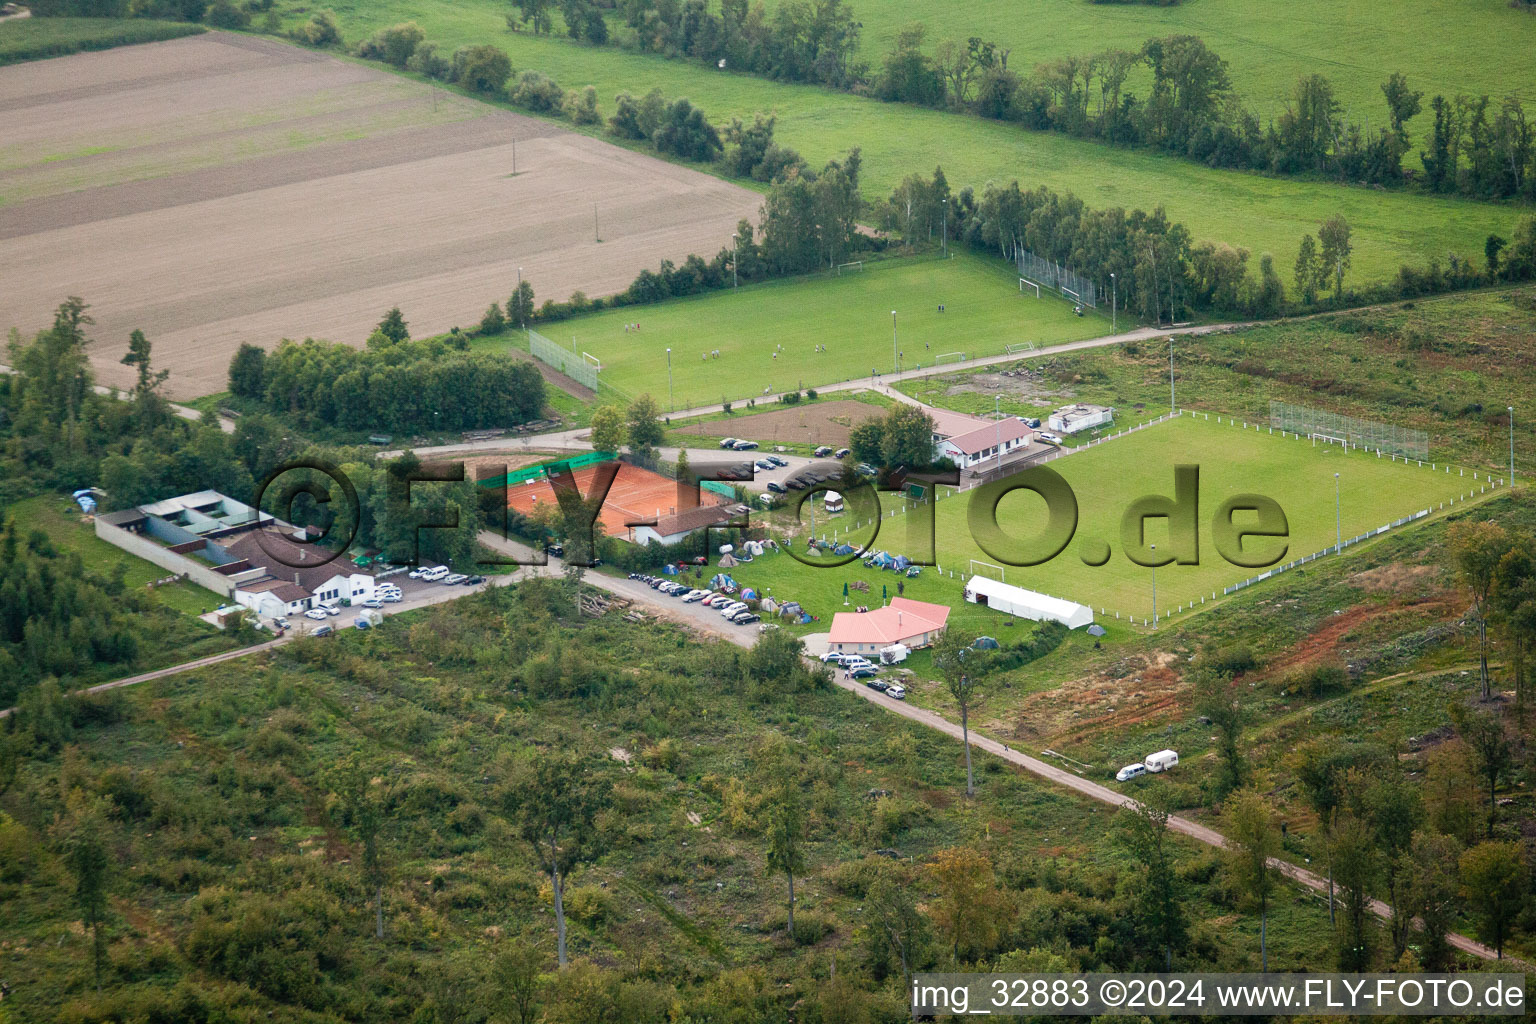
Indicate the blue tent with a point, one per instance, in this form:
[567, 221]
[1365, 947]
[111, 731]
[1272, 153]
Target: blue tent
[883, 560]
[901, 562]
[985, 643]
[844, 549]
[669, 569]
[749, 594]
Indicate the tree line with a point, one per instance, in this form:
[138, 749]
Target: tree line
[392, 384]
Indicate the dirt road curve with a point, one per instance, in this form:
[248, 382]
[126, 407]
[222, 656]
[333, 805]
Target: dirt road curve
[705, 620]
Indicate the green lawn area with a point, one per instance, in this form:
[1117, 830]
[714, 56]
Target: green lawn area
[25, 39]
[1261, 214]
[850, 315]
[1483, 47]
[1106, 479]
[48, 513]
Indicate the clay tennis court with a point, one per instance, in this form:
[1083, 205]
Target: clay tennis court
[637, 495]
[222, 189]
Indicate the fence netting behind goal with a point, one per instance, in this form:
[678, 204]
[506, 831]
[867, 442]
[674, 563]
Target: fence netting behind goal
[1054, 275]
[572, 364]
[1358, 433]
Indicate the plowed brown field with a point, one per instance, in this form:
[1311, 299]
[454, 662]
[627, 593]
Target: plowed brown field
[221, 189]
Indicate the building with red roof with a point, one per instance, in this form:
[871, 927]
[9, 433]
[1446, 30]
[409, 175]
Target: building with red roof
[903, 621]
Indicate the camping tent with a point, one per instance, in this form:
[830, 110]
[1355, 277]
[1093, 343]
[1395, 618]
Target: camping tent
[986, 643]
[728, 561]
[901, 563]
[749, 594]
[1026, 604]
[791, 608]
[754, 547]
[844, 549]
[1096, 630]
[669, 569]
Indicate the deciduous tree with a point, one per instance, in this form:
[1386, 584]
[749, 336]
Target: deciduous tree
[1252, 841]
[1493, 879]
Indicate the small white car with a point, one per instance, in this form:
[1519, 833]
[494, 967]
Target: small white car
[331, 609]
[1049, 438]
[390, 598]
[373, 602]
[732, 609]
[896, 691]
[1130, 772]
[315, 613]
[694, 596]
[454, 579]
[418, 572]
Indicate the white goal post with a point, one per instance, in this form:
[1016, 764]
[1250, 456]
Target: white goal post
[1072, 295]
[1002, 574]
[949, 357]
[856, 265]
[1329, 439]
[1025, 282]
[1019, 346]
[593, 361]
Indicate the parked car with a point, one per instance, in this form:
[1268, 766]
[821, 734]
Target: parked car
[437, 572]
[558, 550]
[323, 631]
[373, 602]
[727, 442]
[391, 599]
[865, 469]
[282, 623]
[870, 681]
[1032, 422]
[744, 446]
[454, 579]
[776, 487]
[764, 465]
[896, 691]
[822, 451]
[418, 572]
[795, 483]
[1048, 437]
[474, 581]
[315, 613]
[732, 609]
[330, 607]
[1130, 772]
[832, 656]
[746, 619]
[777, 461]
[841, 453]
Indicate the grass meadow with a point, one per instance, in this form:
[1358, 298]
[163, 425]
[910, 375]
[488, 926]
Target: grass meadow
[851, 315]
[1261, 214]
[1106, 479]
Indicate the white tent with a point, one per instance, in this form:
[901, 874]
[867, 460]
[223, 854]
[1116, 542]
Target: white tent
[1026, 604]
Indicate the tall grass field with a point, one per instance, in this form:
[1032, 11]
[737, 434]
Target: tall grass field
[23, 39]
[768, 334]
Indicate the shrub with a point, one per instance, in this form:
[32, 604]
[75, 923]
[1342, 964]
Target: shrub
[893, 815]
[393, 45]
[1314, 679]
[224, 14]
[581, 107]
[588, 904]
[538, 92]
[1229, 661]
[319, 31]
[493, 322]
[428, 60]
[481, 68]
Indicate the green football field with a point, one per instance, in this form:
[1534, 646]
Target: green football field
[768, 334]
[1106, 478]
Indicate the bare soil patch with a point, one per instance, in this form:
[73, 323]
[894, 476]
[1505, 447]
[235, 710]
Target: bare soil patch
[819, 423]
[224, 189]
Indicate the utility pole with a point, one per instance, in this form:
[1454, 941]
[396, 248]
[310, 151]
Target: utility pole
[944, 226]
[895, 352]
[1154, 587]
[669, 380]
[514, 158]
[1114, 304]
[596, 236]
[735, 262]
[1511, 444]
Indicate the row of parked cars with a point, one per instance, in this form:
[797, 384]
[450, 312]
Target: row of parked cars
[729, 607]
[736, 444]
[860, 667]
[442, 574]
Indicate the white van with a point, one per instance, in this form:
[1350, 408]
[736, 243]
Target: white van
[435, 573]
[1130, 772]
[1162, 760]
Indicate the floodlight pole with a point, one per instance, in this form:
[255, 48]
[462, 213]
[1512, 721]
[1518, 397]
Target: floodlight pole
[1154, 587]
[944, 226]
[895, 352]
[735, 258]
[669, 380]
[998, 422]
[1338, 528]
[1511, 444]
[1114, 304]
